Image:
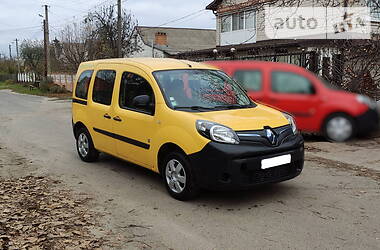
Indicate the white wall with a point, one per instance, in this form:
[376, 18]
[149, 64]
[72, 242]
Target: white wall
[146, 51]
[238, 37]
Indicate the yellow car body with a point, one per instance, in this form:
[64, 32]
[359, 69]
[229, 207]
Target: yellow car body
[141, 137]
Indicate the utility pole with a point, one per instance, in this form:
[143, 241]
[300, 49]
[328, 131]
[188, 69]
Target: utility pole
[119, 54]
[17, 57]
[46, 41]
[10, 51]
[153, 47]
[45, 53]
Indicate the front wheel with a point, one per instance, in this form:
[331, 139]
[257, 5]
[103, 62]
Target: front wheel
[339, 127]
[178, 177]
[85, 146]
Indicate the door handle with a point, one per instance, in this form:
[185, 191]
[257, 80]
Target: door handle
[107, 116]
[118, 119]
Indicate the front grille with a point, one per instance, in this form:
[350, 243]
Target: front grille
[270, 174]
[259, 136]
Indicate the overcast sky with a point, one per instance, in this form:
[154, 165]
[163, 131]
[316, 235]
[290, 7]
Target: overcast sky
[19, 18]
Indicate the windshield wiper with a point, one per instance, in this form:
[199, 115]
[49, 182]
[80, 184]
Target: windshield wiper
[194, 107]
[234, 106]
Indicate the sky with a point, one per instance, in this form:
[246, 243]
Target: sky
[20, 18]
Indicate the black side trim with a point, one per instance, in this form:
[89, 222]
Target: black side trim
[368, 122]
[124, 139]
[79, 101]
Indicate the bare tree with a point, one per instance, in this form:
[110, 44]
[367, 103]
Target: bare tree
[93, 38]
[360, 71]
[76, 44]
[104, 23]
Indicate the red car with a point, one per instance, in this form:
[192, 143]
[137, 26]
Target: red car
[316, 105]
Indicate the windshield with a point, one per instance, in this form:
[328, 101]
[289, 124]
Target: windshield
[201, 89]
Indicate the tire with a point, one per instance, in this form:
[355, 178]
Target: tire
[339, 127]
[85, 146]
[179, 177]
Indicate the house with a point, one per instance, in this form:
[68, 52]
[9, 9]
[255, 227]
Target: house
[243, 21]
[241, 34]
[166, 42]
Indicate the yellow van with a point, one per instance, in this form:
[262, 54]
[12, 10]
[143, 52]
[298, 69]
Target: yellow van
[187, 121]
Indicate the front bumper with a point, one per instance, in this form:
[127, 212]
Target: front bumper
[368, 121]
[223, 166]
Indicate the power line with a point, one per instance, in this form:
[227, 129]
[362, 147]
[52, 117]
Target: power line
[194, 17]
[81, 14]
[180, 18]
[20, 28]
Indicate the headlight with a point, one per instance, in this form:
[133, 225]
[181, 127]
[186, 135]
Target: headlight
[217, 132]
[366, 100]
[291, 122]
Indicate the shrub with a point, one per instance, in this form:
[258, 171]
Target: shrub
[9, 82]
[56, 89]
[50, 80]
[44, 86]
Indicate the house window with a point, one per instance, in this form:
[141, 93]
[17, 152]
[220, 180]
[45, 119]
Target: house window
[238, 21]
[374, 6]
[250, 19]
[226, 23]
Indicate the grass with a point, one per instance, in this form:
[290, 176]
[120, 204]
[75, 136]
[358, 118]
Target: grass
[25, 89]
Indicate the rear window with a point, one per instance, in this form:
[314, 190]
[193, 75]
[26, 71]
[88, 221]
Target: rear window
[81, 90]
[250, 79]
[103, 86]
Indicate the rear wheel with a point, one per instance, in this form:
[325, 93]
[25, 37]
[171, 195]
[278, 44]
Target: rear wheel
[178, 177]
[85, 146]
[339, 127]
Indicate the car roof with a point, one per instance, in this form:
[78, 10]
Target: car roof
[256, 64]
[150, 64]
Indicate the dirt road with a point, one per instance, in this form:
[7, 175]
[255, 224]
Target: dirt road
[331, 205]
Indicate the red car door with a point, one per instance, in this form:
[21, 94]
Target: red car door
[296, 94]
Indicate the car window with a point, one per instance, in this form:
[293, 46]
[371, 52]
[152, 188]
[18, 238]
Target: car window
[133, 85]
[250, 79]
[200, 88]
[103, 86]
[291, 83]
[81, 89]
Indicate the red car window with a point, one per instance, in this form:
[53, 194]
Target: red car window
[251, 80]
[291, 83]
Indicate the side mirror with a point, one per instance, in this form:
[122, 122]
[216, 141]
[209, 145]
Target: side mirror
[141, 101]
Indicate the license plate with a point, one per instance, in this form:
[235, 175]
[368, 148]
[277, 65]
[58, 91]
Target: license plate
[276, 161]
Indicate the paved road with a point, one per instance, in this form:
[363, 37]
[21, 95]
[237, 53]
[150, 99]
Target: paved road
[324, 208]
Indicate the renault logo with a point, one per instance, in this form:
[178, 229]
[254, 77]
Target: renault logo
[270, 136]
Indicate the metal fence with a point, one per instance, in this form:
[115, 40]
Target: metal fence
[64, 80]
[27, 77]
